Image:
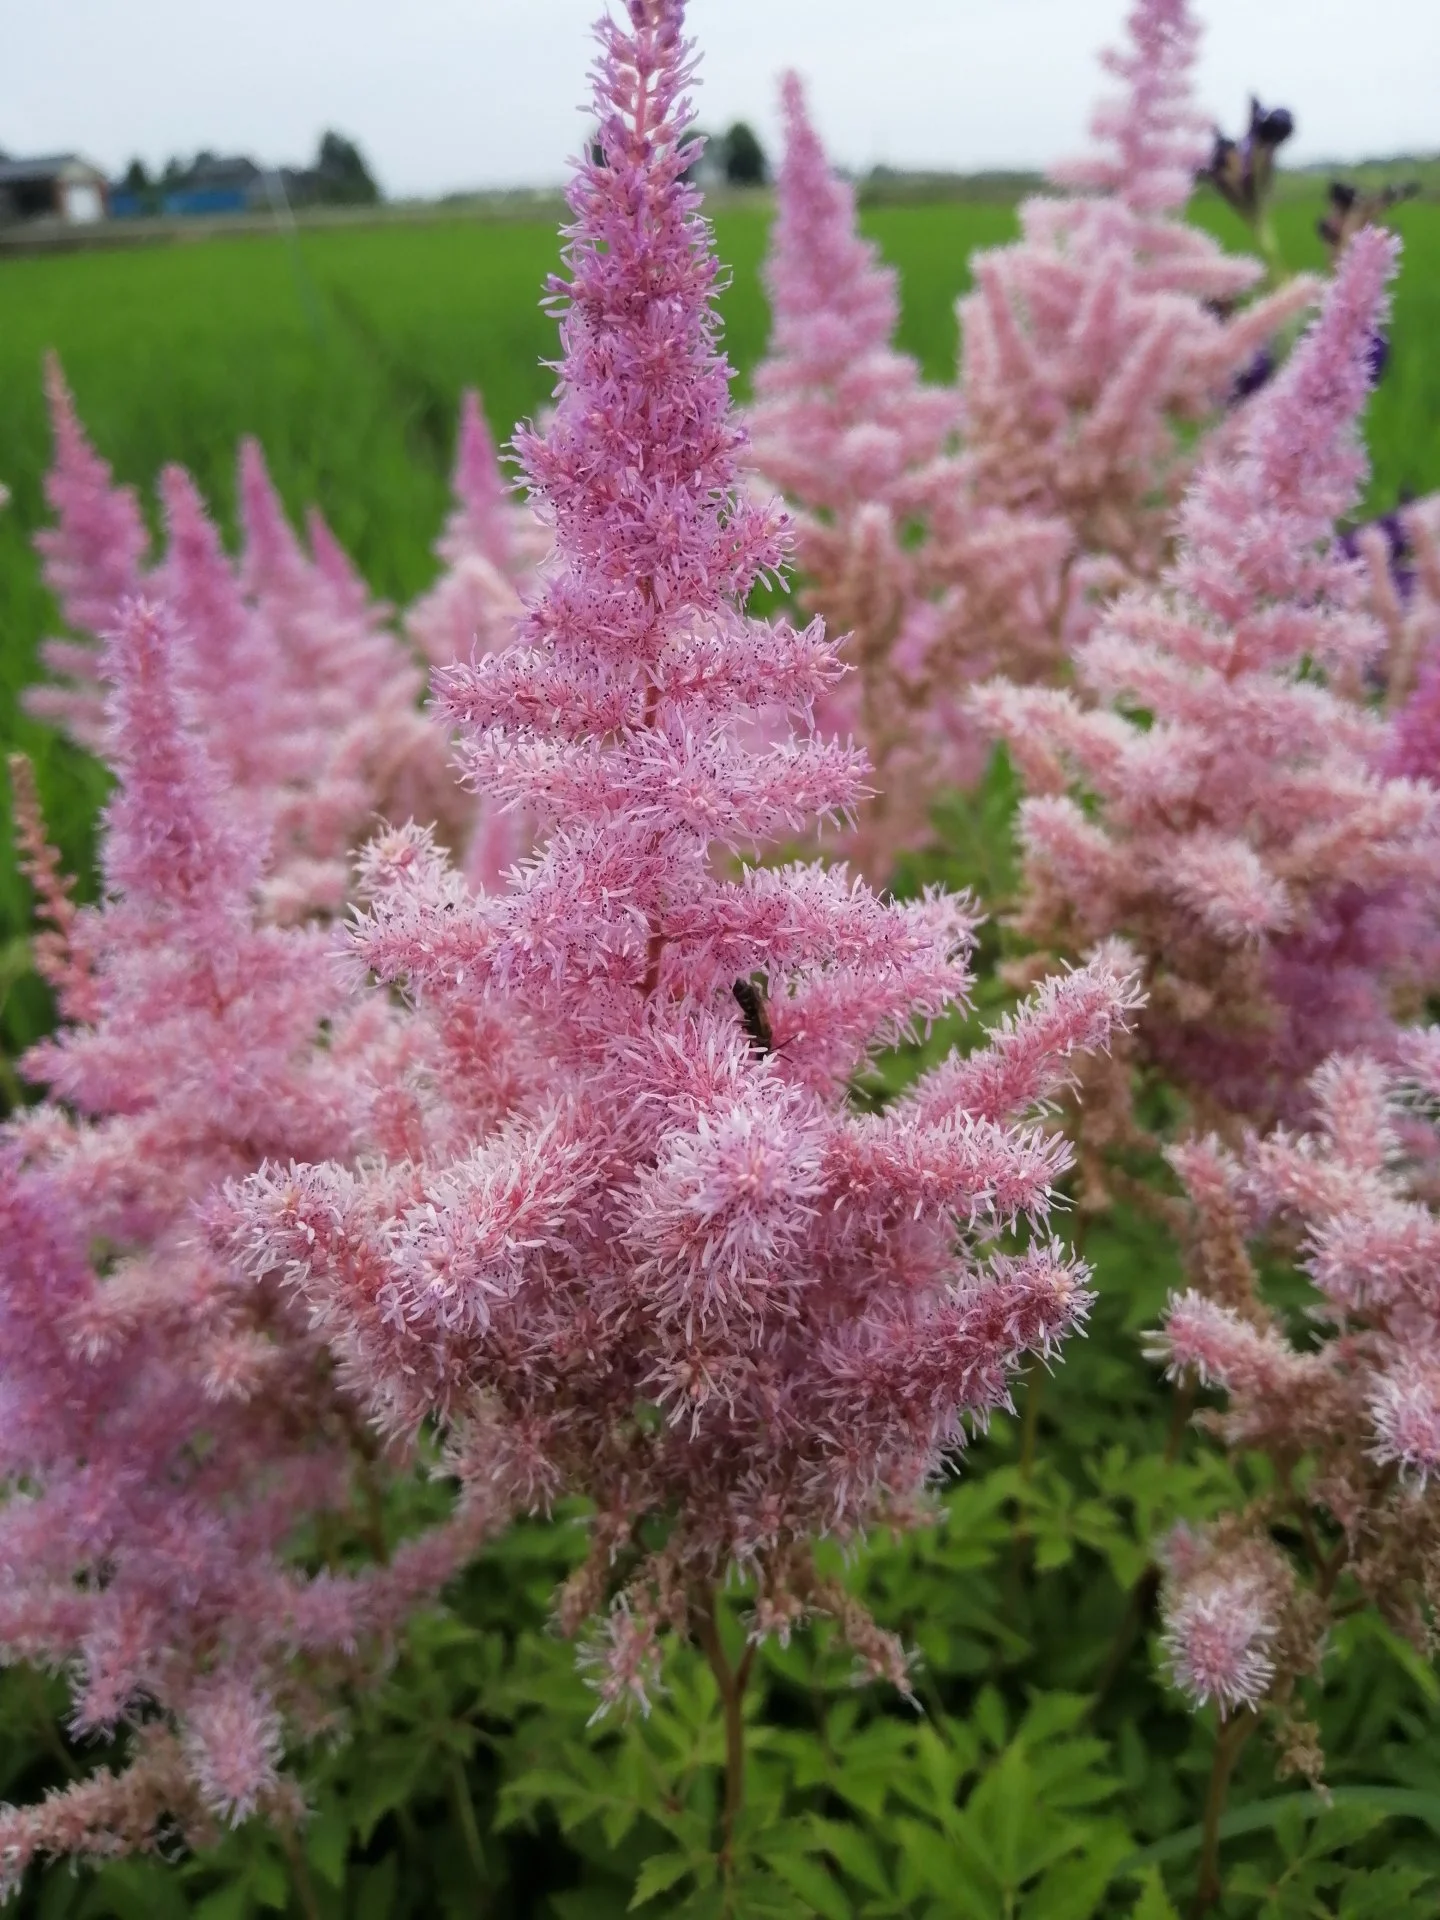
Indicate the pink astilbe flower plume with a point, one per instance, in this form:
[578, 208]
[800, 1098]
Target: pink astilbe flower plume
[1149, 138]
[1206, 794]
[491, 546]
[53, 948]
[1221, 1620]
[930, 587]
[94, 556]
[683, 1278]
[309, 703]
[1350, 1419]
[165, 1429]
[842, 416]
[351, 691]
[1093, 345]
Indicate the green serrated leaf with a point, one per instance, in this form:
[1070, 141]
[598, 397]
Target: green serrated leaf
[1388, 1893]
[1154, 1903]
[327, 1841]
[989, 1716]
[659, 1873]
[852, 1850]
[377, 1890]
[230, 1902]
[811, 1881]
[1383, 1802]
[1074, 1888]
[269, 1882]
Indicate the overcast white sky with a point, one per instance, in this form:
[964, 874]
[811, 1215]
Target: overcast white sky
[446, 94]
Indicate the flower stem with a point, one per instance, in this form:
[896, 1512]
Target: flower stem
[731, 1682]
[1270, 250]
[1229, 1744]
[299, 1871]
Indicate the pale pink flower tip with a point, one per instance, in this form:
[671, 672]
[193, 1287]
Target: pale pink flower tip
[1406, 1410]
[1217, 1639]
[622, 1661]
[232, 1740]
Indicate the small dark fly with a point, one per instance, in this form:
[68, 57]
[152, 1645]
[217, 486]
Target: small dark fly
[755, 1014]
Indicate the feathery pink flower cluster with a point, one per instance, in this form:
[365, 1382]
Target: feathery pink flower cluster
[164, 1430]
[1351, 1421]
[491, 546]
[1092, 346]
[684, 1278]
[931, 588]
[1206, 795]
[309, 704]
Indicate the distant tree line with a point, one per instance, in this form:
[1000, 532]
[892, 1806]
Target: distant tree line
[339, 176]
[735, 157]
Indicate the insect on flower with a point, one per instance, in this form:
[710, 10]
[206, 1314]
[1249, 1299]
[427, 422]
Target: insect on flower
[755, 1014]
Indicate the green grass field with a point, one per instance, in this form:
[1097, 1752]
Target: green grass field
[346, 351]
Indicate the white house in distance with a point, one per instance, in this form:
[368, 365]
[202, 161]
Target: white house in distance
[56, 186]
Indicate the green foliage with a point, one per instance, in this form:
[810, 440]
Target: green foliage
[1043, 1772]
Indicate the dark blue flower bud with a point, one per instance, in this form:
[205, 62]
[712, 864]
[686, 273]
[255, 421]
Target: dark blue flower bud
[1251, 378]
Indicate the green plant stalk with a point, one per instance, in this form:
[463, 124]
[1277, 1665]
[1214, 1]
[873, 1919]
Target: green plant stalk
[1228, 1748]
[1229, 1744]
[731, 1682]
[1146, 1589]
[465, 1813]
[1269, 243]
[299, 1871]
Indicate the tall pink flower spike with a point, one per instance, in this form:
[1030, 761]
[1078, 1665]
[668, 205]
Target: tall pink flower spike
[492, 546]
[309, 703]
[931, 588]
[165, 1430]
[685, 1277]
[1206, 796]
[1247, 1608]
[94, 556]
[350, 694]
[1093, 345]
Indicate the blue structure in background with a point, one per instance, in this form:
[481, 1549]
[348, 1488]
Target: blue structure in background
[205, 200]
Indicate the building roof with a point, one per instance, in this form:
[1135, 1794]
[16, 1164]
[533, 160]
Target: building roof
[49, 166]
[216, 170]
